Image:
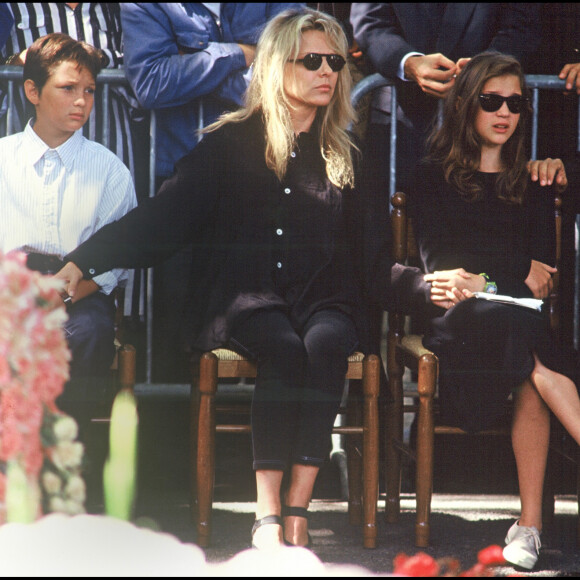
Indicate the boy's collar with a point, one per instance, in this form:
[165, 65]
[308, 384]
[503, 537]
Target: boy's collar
[67, 151]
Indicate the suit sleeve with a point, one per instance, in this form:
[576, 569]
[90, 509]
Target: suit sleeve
[378, 33]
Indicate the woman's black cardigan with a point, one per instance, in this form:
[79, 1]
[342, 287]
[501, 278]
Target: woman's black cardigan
[225, 202]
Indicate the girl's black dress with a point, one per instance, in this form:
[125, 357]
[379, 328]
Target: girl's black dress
[485, 349]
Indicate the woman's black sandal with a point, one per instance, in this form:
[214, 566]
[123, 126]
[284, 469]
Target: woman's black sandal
[263, 522]
[299, 512]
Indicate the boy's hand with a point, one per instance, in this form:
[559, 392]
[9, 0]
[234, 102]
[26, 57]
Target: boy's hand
[571, 72]
[549, 171]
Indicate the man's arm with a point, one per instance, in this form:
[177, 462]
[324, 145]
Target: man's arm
[6, 23]
[167, 69]
[379, 34]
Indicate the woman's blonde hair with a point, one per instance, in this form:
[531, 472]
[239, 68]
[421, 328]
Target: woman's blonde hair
[278, 44]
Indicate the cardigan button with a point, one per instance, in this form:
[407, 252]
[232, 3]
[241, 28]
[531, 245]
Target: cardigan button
[279, 265]
[279, 231]
[91, 271]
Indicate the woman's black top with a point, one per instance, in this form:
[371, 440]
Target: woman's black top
[485, 349]
[300, 244]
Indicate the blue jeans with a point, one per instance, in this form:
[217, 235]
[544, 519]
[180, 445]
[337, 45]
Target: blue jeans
[299, 383]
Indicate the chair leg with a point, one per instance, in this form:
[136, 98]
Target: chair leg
[127, 366]
[393, 430]
[193, 426]
[206, 446]
[578, 494]
[371, 385]
[353, 456]
[427, 377]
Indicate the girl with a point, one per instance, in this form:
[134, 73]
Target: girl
[475, 208]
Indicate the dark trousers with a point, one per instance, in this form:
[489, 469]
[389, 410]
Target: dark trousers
[299, 383]
[90, 333]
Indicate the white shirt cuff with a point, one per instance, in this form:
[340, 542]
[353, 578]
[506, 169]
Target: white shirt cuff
[401, 71]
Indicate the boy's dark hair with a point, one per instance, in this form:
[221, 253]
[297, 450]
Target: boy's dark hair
[47, 52]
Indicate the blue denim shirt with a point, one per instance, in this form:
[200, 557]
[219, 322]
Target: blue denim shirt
[183, 63]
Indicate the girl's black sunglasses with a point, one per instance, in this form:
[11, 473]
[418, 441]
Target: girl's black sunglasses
[313, 61]
[490, 102]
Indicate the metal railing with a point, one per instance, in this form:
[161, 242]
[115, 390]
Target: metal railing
[109, 77]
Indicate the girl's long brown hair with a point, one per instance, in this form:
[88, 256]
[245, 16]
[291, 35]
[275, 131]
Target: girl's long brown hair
[457, 145]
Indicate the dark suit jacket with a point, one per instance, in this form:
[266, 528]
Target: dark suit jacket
[387, 32]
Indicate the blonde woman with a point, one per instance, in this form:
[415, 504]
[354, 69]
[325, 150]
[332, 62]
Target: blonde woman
[283, 245]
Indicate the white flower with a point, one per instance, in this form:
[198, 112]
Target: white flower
[51, 482]
[67, 454]
[74, 508]
[65, 429]
[75, 489]
[57, 504]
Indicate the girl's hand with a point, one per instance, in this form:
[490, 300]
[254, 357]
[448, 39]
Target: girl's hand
[451, 298]
[539, 280]
[448, 287]
[444, 280]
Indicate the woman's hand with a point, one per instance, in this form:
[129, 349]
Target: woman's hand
[72, 277]
[448, 287]
[539, 280]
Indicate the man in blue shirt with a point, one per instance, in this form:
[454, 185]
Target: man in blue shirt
[191, 63]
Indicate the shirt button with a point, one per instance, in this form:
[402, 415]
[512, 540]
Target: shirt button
[287, 190]
[91, 271]
[279, 232]
[279, 265]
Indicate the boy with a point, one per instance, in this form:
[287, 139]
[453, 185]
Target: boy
[57, 188]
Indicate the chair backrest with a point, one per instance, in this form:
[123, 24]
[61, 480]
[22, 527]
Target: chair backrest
[405, 247]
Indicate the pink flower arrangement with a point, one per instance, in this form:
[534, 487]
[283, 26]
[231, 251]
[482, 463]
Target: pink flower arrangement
[34, 366]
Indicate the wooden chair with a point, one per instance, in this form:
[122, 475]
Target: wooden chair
[363, 484]
[407, 351]
[124, 367]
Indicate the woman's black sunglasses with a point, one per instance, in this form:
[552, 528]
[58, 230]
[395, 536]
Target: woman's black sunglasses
[313, 61]
[490, 102]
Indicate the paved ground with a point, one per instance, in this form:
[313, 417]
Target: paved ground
[474, 503]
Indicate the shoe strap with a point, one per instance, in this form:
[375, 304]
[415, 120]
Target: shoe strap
[265, 521]
[299, 512]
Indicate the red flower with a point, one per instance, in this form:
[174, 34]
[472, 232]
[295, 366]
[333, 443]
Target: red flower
[491, 556]
[420, 564]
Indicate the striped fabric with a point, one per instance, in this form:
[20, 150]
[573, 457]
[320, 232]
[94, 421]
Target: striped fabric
[54, 199]
[96, 23]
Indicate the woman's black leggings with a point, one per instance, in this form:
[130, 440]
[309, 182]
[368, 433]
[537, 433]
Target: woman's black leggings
[299, 384]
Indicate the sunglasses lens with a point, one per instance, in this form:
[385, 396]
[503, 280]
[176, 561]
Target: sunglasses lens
[515, 104]
[492, 103]
[335, 62]
[312, 61]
